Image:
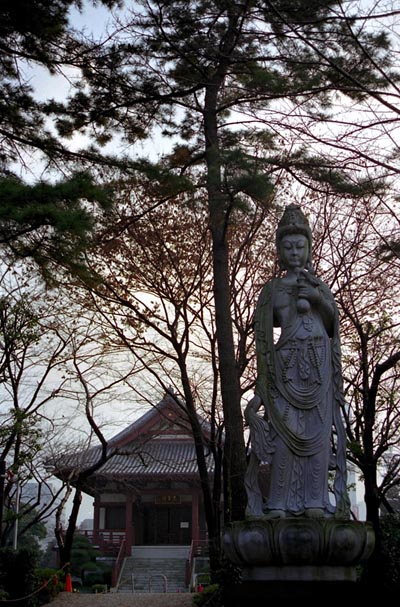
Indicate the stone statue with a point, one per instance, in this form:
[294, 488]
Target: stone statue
[300, 531]
[299, 383]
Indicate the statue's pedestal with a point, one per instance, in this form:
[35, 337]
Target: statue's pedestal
[283, 558]
[265, 594]
[299, 573]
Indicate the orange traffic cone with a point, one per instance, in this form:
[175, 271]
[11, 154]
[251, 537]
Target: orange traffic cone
[68, 583]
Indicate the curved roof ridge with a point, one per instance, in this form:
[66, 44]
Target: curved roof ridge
[139, 424]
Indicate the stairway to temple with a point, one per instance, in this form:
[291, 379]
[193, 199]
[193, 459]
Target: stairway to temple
[155, 569]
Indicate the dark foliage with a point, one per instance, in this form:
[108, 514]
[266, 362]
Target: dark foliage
[17, 575]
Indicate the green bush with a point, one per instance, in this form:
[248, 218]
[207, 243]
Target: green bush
[82, 553]
[390, 551]
[50, 582]
[3, 595]
[17, 578]
[211, 596]
[94, 578]
[84, 563]
[99, 588]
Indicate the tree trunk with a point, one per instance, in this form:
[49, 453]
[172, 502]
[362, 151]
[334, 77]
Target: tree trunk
[2, 481]
[66, 549]
[234, 463]
[372, 500]
[372, 571]
[211, 510]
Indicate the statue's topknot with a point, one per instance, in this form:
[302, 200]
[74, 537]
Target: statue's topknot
[293, 221]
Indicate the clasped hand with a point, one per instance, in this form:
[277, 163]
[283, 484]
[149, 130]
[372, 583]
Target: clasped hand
[308, 291]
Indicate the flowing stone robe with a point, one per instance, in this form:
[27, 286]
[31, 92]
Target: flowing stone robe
[299, 382]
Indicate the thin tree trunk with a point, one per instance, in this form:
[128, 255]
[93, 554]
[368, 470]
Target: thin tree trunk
[211, 514]
[65, 551]
[372, 572]
[234, 464]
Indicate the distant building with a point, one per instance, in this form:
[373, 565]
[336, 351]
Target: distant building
[86, 525]
[42, 495]
[356, 493]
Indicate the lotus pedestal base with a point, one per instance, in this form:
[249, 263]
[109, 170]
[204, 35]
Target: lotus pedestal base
[292, 557]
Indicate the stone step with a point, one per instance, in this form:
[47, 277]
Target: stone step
[148, 575]
[163, 552]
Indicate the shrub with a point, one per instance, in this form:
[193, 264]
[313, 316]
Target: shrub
[99, 588]
[17, 577]
[51, 583]
[84, 563]
[390, 551]
[211, 596]
[94, 578]
[82, 553]
[3, 595]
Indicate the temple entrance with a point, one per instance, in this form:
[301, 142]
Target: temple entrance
[167, 524]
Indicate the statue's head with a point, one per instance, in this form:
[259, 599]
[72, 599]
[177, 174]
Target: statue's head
[293, 221]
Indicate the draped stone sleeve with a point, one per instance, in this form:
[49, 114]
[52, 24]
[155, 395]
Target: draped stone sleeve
[263, 326]
[261, 450]
[340, 481]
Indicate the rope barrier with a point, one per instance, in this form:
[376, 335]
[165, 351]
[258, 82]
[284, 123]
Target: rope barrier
[44, 585]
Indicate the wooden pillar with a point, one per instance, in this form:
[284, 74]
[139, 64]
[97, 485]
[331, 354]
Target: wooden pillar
[195, 516]
[96, 520]
[129, 532]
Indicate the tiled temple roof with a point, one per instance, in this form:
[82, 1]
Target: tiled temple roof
[154, 459]
[157, 445]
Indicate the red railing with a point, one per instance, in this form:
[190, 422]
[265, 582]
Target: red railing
[109, 542]
[118, 564]
[197, 548]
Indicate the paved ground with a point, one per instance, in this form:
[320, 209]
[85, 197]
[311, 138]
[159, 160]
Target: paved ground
[111, 599]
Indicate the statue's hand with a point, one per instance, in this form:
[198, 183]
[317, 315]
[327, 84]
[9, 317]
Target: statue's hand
[309, 292]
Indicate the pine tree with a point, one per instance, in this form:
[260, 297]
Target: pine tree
[50, 222]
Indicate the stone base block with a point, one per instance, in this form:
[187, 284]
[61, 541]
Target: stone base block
[261, 594]
[305, 573]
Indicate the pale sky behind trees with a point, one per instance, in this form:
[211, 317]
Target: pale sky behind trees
[93, 20]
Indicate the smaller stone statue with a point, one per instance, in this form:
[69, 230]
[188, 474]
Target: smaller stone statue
[299, 383]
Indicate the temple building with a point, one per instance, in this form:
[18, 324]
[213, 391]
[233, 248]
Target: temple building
[148, 493]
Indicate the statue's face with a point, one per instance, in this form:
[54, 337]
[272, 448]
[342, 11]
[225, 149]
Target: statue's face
[293, 251]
